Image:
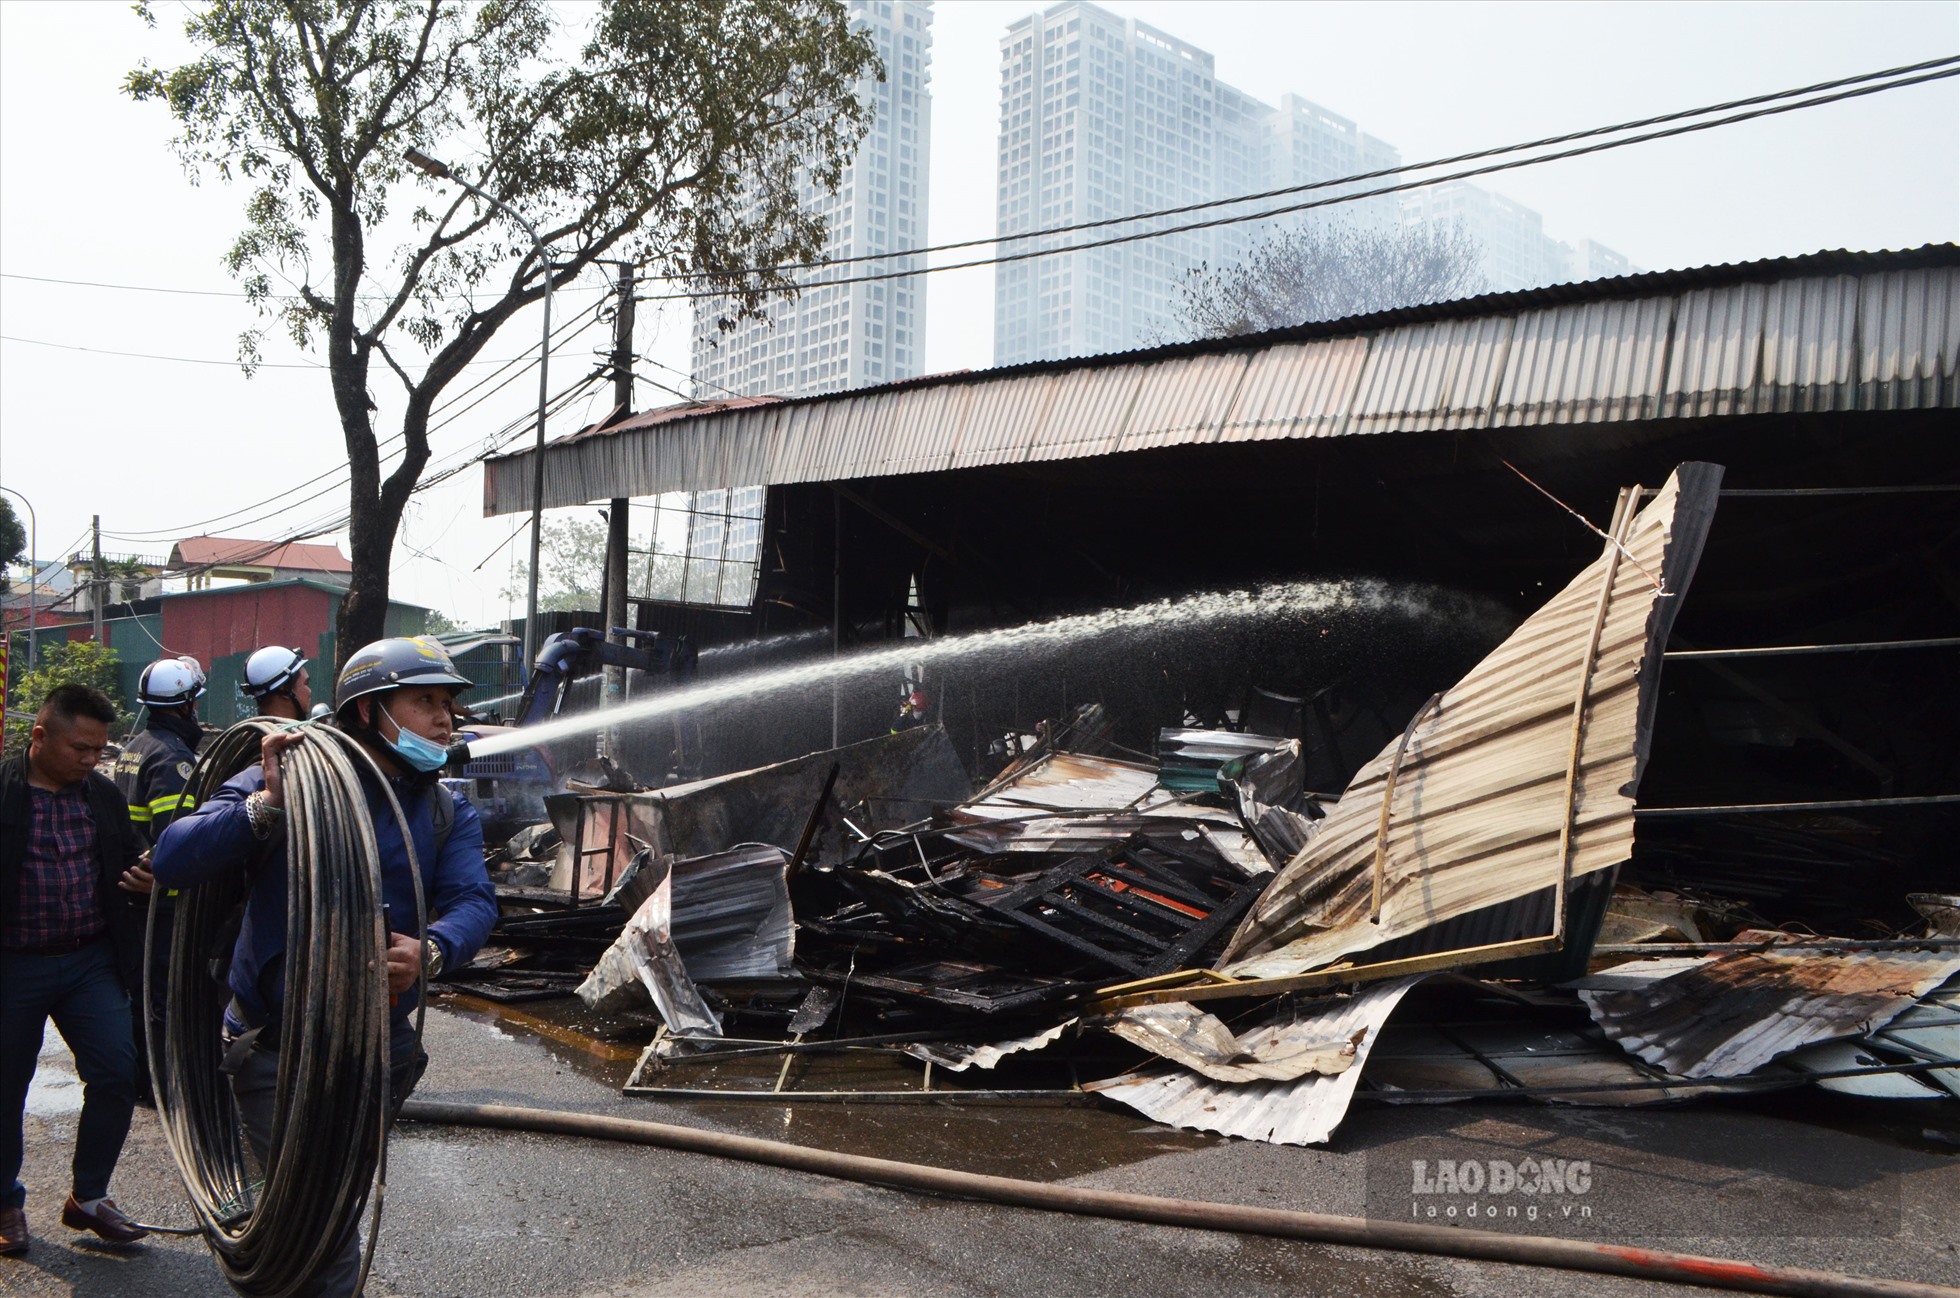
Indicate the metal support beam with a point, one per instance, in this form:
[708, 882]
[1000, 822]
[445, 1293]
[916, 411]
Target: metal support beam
[1765, 808]
[1786, 650]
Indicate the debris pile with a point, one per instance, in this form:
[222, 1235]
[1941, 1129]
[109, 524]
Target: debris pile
[1229, 953]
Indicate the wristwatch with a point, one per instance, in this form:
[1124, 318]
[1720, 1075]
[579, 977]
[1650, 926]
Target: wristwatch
[432, 957]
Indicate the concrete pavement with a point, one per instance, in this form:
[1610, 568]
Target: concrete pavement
[493, 1214]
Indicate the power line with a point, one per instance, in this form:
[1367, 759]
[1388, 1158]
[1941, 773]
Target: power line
[214, 292]
[1267, 214]
[147, 356]
[1400, 169]
[232, 518]
[200, 360]
[323, 524]
[691, 378]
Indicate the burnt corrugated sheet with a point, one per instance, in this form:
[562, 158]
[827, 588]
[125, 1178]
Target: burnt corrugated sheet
[1303, 1111]
[1732, 1015]
[1064, 782]
[1480, 798]
[1836, 331]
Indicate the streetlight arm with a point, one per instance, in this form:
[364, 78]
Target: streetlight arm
[443, 171]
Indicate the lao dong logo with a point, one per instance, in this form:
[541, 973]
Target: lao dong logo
[1498, 1187]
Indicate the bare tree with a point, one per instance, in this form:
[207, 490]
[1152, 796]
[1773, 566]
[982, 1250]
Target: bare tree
[1327, 272]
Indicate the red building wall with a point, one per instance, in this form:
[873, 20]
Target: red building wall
[210, 625]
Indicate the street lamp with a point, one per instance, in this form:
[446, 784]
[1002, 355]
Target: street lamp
[33, 577]
[441, 171]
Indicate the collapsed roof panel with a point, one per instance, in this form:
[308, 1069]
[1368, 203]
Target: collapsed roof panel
[1059, 782]
[1730, 1016]
[1511, 783]
[1303, 1110]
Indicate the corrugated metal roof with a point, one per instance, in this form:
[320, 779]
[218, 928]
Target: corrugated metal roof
[1730, 1016]
[1832, 331]
[1267, 1052]
[1303, 1111]
[1480, 799]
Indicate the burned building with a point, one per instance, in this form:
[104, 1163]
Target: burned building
[1400, 491]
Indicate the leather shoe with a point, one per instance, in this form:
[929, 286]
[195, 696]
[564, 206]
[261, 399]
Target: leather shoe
[13, 1232]
[107, 1221]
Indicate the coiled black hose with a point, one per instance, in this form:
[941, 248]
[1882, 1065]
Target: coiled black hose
[327, 1158]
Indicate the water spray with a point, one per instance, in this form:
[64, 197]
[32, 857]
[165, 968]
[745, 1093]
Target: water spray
[1304, 599]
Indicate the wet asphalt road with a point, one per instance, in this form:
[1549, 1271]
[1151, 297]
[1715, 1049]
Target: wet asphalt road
[1815, 1181]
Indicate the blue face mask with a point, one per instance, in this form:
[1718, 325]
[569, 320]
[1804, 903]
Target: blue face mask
[418, 752]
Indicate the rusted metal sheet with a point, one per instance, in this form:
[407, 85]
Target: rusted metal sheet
[1729, 1016]
[1834, 331]
[1065, 782]
[1515, 781]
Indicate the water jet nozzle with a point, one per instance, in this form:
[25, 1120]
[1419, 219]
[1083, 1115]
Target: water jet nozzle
[459, 756]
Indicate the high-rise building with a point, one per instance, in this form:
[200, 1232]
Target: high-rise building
[837, 336]
[1100, 117]
[1589, 260]
[1518, 253]
[1103, 117]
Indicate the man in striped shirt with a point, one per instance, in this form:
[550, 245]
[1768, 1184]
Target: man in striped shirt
[71, 946]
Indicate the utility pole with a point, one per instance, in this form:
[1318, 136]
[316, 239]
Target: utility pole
[614, 584]
[98, 584]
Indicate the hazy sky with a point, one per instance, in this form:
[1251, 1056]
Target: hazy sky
[89, 191]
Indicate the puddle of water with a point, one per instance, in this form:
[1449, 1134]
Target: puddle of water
[1034, 1140]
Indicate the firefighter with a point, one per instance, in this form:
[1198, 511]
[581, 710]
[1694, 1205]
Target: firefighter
[151, 774]
[397, 698]
[156, 763]
[275, 680]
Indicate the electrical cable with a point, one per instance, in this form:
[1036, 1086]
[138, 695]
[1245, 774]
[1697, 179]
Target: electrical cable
[215, 292]
[1399, 169]
[231, 518]
[149, 356]
[1267, 214]
[326, 1162]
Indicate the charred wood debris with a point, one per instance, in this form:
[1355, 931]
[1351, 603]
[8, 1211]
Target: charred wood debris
[1032, 937]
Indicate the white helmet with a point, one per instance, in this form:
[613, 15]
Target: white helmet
[272, 670]
[171, 682]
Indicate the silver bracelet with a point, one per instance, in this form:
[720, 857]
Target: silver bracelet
[264, 817]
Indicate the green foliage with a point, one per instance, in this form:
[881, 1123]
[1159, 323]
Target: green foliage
[571, 556]
[83, 662]
[438, 623]
[126, 578]
[677, 138]
[13, 538]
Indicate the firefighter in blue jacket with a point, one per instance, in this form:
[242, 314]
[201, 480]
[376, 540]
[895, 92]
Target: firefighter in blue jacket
[156, 763]
[152, 774]
[397, 698]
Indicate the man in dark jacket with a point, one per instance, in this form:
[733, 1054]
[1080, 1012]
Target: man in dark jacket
[71, 947]
[397, 698]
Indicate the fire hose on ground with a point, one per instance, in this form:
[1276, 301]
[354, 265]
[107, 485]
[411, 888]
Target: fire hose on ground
[1357, 1232]
[326, 1161]
[271, 1237]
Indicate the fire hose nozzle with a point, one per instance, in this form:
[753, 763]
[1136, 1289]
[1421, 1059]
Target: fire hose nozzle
[459, 756]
